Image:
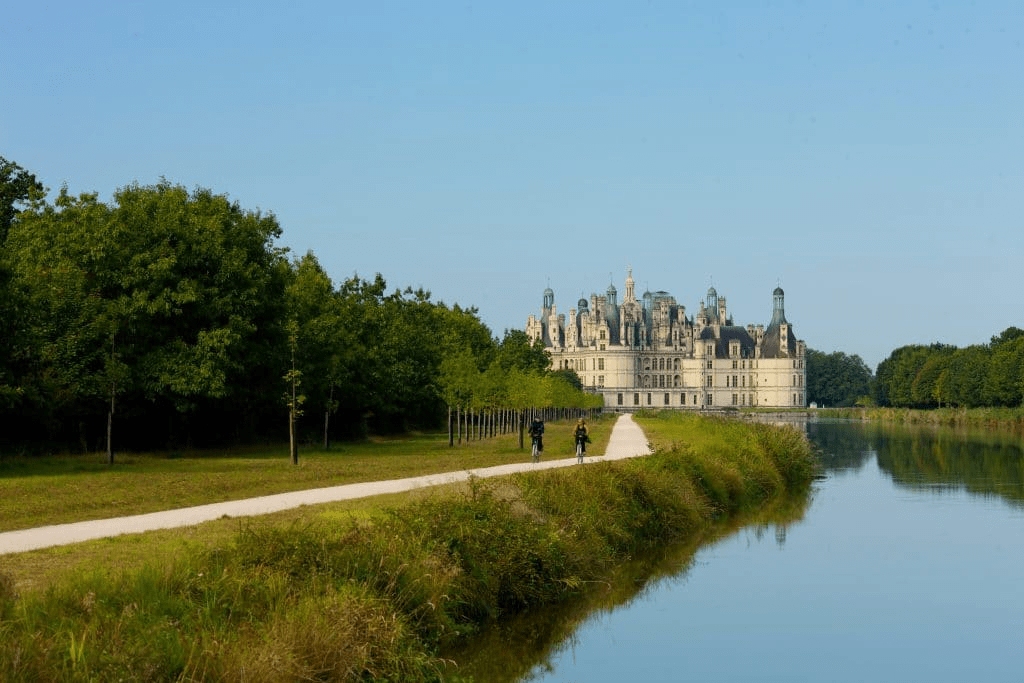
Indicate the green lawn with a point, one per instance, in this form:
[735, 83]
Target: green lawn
[39, 492]
[43, 491]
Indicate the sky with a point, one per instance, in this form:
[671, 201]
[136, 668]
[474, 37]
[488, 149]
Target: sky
[866, 156]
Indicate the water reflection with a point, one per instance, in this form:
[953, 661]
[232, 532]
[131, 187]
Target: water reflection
[889, 552]
[528, 646]
[919, 457]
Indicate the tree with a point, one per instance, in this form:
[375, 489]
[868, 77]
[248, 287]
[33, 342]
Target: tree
[458, 379]
[1005, 381]
[517, 350]
[17, 187]
[293, 399]
[569, 376]
[966, 376]
[837, 379]
[926, 389]
[315, 309]
[177, 296]
[896, 374]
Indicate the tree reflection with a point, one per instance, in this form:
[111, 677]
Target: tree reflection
[528, 645]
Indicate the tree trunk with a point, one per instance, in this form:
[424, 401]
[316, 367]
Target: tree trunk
[293, 446]
[327, 418]
[110, 431]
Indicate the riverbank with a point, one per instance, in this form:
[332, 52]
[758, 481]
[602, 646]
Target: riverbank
[336, 598]
[988, 418]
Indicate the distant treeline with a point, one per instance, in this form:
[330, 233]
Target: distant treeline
[919, 376]
[169, 318]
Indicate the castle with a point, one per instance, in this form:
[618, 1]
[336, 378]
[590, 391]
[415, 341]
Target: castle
[646, 353]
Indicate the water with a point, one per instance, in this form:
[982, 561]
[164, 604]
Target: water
[906, 564]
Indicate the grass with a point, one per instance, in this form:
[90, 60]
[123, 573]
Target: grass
[72, 488]
[375, 590]
[56, 490]
[988, 418]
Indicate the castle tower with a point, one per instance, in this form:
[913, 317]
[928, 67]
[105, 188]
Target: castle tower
[630, 294]
[778, 308]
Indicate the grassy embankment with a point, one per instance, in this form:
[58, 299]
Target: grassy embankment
[988, 418]
[342, 592]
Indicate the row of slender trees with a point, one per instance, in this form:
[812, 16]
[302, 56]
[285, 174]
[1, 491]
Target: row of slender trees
[924, 376]
[170, 318]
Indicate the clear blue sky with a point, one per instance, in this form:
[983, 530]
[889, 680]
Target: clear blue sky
[866, 156]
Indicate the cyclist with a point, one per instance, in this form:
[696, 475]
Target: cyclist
[581, 438]
[537, 436]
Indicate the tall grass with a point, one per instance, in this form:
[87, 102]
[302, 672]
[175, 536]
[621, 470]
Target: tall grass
[989, 418]
[378, 600]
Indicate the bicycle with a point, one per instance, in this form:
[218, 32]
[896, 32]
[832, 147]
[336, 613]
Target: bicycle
[579, 449]
[535, 454]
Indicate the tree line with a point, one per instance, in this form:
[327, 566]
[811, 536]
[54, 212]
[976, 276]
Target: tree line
[924, 376]
[170, 318]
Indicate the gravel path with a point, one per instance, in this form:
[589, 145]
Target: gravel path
[627, 441]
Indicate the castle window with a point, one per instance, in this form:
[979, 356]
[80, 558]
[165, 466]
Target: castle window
[675, 381]
[603, 334]
[735, 400]
[666, 399]
[620, 399]
[734, 381]
[734, 364]
[636, 399]
[649, 399]
[709, 364]
[710, 379]
[600, 380]
[600, 363]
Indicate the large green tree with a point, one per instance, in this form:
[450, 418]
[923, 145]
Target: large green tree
[837, 379]
[18, 188]
[167, 302]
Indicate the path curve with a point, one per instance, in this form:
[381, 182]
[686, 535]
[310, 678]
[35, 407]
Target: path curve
[627, 441]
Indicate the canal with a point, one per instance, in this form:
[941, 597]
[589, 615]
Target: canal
[905, 563]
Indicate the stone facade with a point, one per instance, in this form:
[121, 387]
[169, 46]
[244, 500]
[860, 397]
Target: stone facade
[646, 353]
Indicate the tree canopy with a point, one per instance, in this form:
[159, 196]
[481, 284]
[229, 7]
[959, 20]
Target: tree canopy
[981, 375]
[175, 316]
[837, 379]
